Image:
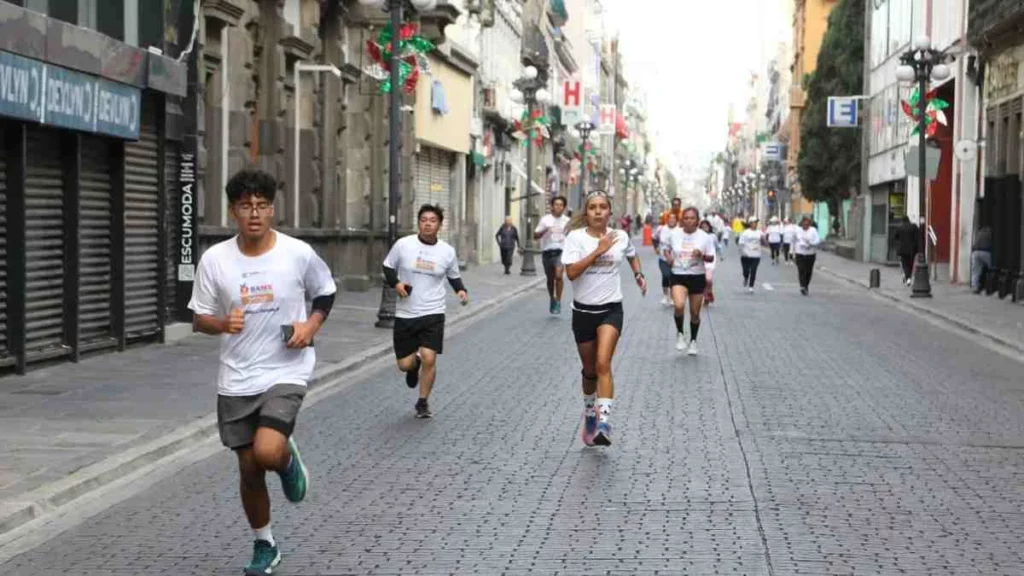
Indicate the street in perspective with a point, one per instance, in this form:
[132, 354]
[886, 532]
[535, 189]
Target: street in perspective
[489, 287]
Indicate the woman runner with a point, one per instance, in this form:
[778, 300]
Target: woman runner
[664, 234]
[709, 293]
[690, 248]
[750, 253]
[806, 248]
[592, 256]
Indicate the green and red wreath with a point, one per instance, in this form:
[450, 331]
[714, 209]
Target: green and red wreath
[532, 127]
[411, 52]
[933, 110]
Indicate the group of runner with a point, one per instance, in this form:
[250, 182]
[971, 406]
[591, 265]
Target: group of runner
[253, 291]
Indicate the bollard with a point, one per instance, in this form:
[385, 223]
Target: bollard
[875, 278]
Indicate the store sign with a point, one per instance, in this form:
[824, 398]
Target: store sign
[187, 232]
[55, 96]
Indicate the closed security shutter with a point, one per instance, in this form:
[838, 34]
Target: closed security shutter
[171, 223]
[4, 344]
[95, 258]
[433, 183]
[44, 244]
[141, 218]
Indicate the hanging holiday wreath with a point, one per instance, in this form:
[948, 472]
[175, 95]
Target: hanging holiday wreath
[411, 53]
[934, 114]
[532, 127]
[587, 154]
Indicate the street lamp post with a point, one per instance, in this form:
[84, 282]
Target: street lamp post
[583, 129]
[529, 90]
[919, 64]
[388, 296]
[302, 67]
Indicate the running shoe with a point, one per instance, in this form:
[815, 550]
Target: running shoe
[423, 409]
[604, 434]
[589, 427]
[295, 478]
[692, 350]
[803, 291]
[552, 307]
[265, 558]
[557, 309]
[750, 289]
[412, 379]
[665, 301]
[680, 342]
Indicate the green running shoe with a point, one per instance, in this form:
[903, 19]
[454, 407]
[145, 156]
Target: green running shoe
[295, 478]
[264, 559]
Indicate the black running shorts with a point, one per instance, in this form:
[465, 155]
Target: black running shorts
[694, 283]
[411, 334]
[586, 319]
[238, 417]
[551, 259]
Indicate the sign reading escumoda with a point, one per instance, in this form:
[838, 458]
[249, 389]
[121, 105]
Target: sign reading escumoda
[55, 96]
[187, 254]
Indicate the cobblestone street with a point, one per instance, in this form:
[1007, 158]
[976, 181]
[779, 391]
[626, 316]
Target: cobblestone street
[830, 434]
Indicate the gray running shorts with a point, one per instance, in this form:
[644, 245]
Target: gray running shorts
[238, 417]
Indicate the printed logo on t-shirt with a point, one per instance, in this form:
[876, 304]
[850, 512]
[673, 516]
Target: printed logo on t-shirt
[256, 293]
[424, 264]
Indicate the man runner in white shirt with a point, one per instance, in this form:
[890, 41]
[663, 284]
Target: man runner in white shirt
[251, 290]
[416, 267]
[551, 233]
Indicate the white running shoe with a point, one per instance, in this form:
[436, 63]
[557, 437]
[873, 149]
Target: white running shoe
[750, 289]
[692, 350]
[665, 301]
[680, 342]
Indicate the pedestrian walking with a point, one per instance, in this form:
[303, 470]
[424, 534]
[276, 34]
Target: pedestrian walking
[806, 248]
[907, 239]
[417, 267]
[709, 292]
[664, 242]
[981, 257]
[788, 237]
[690, 248]
[251, 290]
[551, 233]
[774, 235]
[750, 243]
[592, 256]
[508, 240]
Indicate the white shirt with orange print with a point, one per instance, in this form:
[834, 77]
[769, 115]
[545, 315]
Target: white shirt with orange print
[600, 283]
[425, 267]
[273, 289]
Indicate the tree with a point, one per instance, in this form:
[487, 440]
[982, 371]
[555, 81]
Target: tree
[829, 160]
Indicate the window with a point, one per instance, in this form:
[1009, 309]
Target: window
[66, 10]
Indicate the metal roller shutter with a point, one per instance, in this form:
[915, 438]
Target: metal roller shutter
[95, 257]
[433, 182]
[4, 344]
[44, 248]
[141, 219]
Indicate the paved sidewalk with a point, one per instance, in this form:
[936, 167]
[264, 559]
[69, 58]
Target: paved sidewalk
[57, 421]
[999, 320]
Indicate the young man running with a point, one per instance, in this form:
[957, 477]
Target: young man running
[689, 250]
[593, 254]
[416, 267]
[551, 233]
[251, 290]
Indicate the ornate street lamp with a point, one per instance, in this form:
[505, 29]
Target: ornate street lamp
[529, 90]
[582, 131]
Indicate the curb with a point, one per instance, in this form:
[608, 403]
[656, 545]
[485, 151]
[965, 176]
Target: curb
[47, 499]
[949, 320]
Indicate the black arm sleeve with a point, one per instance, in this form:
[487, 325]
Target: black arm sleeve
[390, 277]
[323, 305]
[457, 284]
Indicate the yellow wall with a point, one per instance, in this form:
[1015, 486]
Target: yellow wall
[450, 131]
[816, 22]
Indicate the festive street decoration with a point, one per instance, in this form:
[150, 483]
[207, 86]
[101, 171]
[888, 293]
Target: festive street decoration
[933, 111]
[587, 154]
[412, 50]
[533, 127]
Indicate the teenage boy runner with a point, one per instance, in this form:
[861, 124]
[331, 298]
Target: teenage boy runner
[551, 233]
[251, 290]
[416, 267]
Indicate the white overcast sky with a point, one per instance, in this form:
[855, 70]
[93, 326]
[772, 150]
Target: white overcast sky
[694, 58]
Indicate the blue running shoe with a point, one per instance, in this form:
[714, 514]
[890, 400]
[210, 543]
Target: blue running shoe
[264, 559]
[589, 427]
[558, 307]
[295, 478]
[604, 434]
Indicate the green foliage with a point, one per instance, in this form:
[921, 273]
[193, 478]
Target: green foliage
[829, 160]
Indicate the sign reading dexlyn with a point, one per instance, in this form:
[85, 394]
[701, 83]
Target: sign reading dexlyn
[48, 94]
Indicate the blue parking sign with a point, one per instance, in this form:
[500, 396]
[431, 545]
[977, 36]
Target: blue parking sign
[842, 112]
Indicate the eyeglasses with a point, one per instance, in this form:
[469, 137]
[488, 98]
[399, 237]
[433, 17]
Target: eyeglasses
[247, 208]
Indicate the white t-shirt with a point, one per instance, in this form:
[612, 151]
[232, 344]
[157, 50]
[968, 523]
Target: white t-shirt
[425, 267]
[789, 233]
[807, 241]
[664, 238]
[774, 234]
[273, 289]
[683, 245]
[750, 243]
[554, 232]
[600, 283]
